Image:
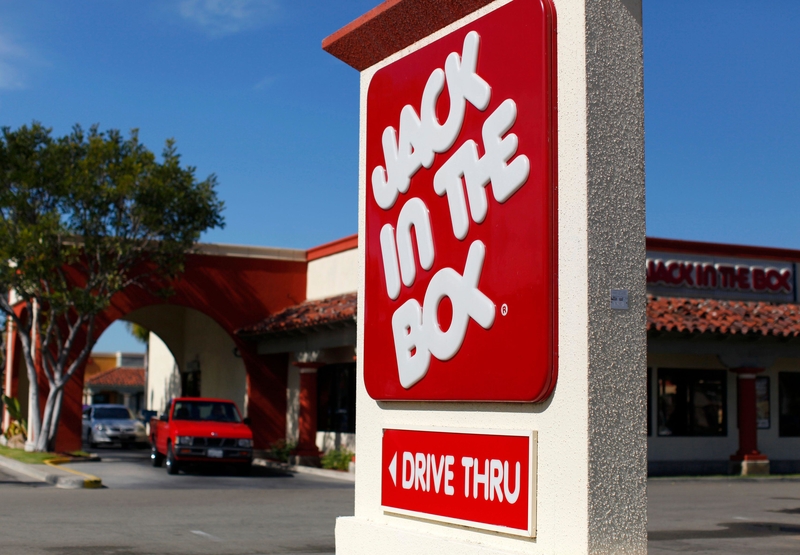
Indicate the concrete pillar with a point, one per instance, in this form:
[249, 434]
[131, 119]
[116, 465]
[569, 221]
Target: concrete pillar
[748, 460]
[592, 466]
[307, 450]
[266, 383]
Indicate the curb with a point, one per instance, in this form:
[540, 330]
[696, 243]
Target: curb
[51, 474]
[90, 481]
[296, 469]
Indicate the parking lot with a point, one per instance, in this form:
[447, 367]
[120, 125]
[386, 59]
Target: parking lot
[725, 516]
[142, 510]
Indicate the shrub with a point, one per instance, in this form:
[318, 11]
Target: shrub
[337, 459]
[18, 425]
[280, 450]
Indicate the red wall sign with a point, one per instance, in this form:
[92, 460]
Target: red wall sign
[477, 479]
[677, 274]
[460, 215]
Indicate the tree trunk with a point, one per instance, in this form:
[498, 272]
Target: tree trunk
[34, 421]
[43, 439]
[56, 420]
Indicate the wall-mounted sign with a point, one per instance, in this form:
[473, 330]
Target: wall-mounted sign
[675, 274]
[460, 215]
[478, 478]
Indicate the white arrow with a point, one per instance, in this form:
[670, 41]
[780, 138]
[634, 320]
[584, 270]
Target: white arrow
[393, 469]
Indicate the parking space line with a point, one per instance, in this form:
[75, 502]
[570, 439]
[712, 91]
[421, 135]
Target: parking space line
[206, 535]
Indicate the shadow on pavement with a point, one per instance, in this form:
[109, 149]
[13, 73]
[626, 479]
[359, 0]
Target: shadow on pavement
[199, 469]
[24, 484]
[729, 530]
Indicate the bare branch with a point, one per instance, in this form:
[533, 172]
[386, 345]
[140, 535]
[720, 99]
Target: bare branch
[84, 352]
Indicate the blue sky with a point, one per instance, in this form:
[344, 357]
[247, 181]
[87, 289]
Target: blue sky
[247, 92]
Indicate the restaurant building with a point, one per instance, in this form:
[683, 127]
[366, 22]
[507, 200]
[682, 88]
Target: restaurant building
[723, 377]
[723, 341]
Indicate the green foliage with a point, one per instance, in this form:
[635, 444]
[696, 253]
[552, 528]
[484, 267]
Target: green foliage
[138, 332]
[337, 459]
[99, 203]
[280, 450]
[18, 423]
[82, 218]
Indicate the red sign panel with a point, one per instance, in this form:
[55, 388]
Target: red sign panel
[477, 479]
[460, 215]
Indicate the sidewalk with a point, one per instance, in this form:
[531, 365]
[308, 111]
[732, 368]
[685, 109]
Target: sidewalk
[333, 474]
[59, 477]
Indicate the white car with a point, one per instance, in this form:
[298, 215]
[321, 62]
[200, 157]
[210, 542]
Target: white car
[112, 424]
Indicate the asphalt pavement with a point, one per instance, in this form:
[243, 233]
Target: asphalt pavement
[131, 469]
[142, 510]
[724, 516]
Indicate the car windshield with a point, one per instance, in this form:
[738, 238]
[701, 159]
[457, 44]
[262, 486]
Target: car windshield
[214, 411]
[112, 413]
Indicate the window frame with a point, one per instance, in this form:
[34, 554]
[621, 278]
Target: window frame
[782, 432]
[331, 376]
[686, 380]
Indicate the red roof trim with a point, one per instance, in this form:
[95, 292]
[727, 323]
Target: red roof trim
[392, 26]
[721, 249]
[653, 243]
[334, 247]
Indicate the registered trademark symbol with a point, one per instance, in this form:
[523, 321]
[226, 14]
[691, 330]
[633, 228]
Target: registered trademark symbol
[504, 309]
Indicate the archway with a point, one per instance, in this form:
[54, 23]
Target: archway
[189, 354]
[230, 287]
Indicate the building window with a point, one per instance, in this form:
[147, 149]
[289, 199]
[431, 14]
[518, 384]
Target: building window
[692, 402]
[336, 398]
[789, 400]
[190, 384]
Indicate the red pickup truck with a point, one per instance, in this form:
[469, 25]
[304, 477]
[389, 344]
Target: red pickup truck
[201, 430]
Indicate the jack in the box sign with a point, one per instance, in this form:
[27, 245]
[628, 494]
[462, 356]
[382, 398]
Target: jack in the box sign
[460, 210]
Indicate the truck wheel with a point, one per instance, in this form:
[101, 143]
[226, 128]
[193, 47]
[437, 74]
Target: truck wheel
[172, 464]
[155, 457]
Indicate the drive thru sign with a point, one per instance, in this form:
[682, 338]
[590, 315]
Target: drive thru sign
[460, 215]
[481, 479]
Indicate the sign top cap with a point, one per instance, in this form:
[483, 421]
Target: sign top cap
[392, 26]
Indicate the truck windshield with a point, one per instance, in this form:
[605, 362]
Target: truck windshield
[205, 410]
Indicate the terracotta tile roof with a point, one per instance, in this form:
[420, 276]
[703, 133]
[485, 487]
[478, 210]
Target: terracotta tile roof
[306, 315]
[721, 316]
[118, 377]
[663, 314]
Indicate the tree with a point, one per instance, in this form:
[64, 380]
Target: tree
[82, 218]
[140, 334]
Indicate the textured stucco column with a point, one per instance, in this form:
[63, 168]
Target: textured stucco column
[592, 464]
